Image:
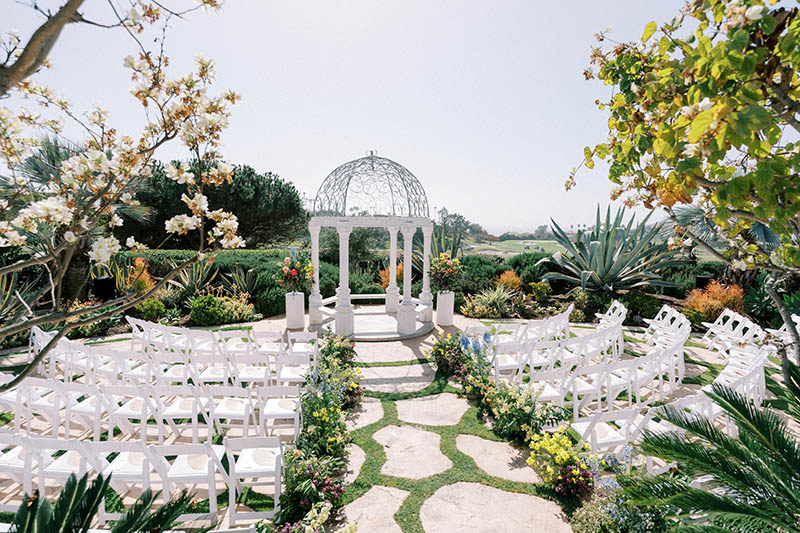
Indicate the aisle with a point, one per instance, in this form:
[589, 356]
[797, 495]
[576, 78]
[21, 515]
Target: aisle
[421, 461]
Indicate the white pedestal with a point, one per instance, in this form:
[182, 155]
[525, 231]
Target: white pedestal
[445, 301]
[392, 299]
[314, 312]
[345, 322]
[406, 319]
[295, 310]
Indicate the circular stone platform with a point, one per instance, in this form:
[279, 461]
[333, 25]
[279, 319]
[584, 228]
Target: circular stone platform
[373, 324]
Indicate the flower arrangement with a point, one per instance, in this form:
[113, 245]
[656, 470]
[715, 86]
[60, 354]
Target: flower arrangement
[559, 463]
[294, 273]
[445, 272]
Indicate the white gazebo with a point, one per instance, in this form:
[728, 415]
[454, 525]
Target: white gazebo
[377, 192]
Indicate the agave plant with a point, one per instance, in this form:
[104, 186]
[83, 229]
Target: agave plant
[611, 256]
[240, 280]
[77, 507]
[753, 482]
[195, 277]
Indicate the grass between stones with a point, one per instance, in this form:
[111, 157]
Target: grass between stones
[463, 469]
[418, 361]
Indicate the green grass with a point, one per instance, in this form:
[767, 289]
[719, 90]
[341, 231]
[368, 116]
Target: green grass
[418, 361]
[510, 247]
[464, 468]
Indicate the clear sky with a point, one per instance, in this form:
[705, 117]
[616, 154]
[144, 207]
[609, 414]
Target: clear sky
[484, 101]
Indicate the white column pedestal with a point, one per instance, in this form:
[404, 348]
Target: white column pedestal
[406, 319]
[345, 320]
[392, 299]
[295, 310]
[314, 312]
[445, 301]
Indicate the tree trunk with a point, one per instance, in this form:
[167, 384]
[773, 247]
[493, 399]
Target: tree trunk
[790, 352]
[76, 278]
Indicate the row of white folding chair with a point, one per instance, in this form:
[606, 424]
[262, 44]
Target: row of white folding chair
[515, 361]
[550, 328]
[668, 327]
[101, 364]
[251, 461]
[146, 334]
[592, 382]
[731, 329]
[94, 407]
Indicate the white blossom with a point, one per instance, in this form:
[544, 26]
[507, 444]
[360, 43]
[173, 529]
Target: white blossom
[103, 248]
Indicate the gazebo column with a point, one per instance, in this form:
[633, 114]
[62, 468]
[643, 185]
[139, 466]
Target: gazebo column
[392, 292]
[315, 299]
[426, 298]
[407, 312]
[345, 321]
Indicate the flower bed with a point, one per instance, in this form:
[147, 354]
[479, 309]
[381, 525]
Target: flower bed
[313, 468]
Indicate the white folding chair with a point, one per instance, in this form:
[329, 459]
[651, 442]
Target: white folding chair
[281, 403]
[196, 465]
[175, 404]
[228, 405]
[253, 461]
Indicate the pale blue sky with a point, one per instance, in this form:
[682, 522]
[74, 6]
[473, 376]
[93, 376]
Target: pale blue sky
[483, 101]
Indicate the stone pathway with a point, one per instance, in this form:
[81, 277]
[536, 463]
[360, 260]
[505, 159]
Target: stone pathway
[426, 455]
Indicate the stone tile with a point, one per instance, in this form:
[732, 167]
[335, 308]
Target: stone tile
[411, 452]
[482, 509]
[444, 409]
[355, 461]
[374, 511]
[369, 412]
[406, 378]
[498, 459]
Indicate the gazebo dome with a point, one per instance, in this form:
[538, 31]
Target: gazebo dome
[373, 186]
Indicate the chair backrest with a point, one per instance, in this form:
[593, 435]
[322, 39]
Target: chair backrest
[277, 391]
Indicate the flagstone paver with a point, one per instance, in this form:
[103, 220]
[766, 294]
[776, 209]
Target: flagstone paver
[369, 412]
[445, 409]
[355, 460]
[482, 509]
[407, 378]
[411, 452]
[375, 510]
[498, 459]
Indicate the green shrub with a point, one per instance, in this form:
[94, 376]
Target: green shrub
[539, 291]
[577, 316]
[640, 303]
[695, 316]
[207, 311]
[491, 303]
[527, 268]
[151, 309]
[479, 272]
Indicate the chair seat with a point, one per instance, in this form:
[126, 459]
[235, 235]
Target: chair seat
[270, 348]
[183, 408]
[603, 434]
[254, 373]
[213, 374]
[257, 461]
[293, 373]
[301, 347]
[280, 407]
[193, 467]
[66, 464]
[506, 361]
[131, 409]
[231, 408]
[127, 465]
[545, 392]
[14, 459]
